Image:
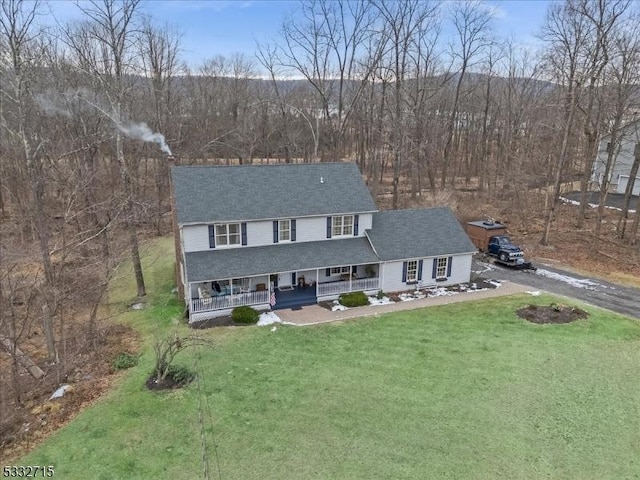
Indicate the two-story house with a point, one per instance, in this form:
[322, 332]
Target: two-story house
[275, 236]
[621, 173]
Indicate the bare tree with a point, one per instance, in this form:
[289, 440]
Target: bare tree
[159, 53]
[403, 23]
[471, 22]
[566, 33]
[624, 67]
[603, 17]
[25, 49]
[105, 48]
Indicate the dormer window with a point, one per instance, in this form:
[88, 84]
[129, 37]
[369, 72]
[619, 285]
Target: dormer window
[342, 226]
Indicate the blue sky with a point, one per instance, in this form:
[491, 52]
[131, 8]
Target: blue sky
[211, 27]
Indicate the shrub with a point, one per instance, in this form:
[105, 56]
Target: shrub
[380, 295]
[244, 314]
[170, 376]
[124, 360]
[180, 374]
[354, 299]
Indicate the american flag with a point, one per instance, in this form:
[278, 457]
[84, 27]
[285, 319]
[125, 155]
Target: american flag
[272, 300]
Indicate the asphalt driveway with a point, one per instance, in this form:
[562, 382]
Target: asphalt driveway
[614, 200]
[615, 297]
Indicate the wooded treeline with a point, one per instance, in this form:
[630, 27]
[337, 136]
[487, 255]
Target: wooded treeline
[424, 96]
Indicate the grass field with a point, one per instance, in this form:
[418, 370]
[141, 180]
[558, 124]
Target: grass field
[466, 391]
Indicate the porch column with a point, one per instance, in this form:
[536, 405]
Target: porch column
[190, 297]
[350, 276]
[317, 280]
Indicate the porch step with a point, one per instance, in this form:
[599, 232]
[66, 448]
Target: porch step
[295, 302]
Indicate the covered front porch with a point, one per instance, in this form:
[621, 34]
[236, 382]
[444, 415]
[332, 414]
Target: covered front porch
[278, 276]
[228, 293]
[283, 289]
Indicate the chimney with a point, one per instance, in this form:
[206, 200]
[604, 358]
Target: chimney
[171, 162]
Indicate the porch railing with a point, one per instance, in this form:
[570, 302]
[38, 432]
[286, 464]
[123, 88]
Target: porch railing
[334, 288]
[229, 301]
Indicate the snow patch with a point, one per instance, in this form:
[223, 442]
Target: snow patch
[574, 282]
[485, 268]
[60, 392]
[534, 293]
[592, 205]
[380, 301]
[270, 318]
[440, 292]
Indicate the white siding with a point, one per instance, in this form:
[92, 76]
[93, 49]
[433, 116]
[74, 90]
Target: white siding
[622, 185]
[259, 233]
[195, 237]
[630, 135]
[311, 229]
[284, 279]
[392, 274]
[364, 223]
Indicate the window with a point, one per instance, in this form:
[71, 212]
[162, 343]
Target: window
[228, 234]
[284, 230]
[441, 267]
[412, 271]
[340, 270]
[342, 226]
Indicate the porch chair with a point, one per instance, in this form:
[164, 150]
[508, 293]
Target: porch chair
[246, 285]
[203, 292]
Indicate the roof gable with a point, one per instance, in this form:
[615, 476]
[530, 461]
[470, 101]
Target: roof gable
[206, 194]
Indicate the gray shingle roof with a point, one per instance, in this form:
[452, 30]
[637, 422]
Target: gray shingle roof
[416, 233]
[253, 192]
[242, 262]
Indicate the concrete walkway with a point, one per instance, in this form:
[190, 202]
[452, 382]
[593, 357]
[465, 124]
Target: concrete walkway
[315, 314]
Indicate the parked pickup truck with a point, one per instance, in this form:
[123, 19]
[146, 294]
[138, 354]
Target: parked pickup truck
[490, 237]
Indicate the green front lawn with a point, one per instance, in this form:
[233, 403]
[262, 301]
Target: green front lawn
[461, 391]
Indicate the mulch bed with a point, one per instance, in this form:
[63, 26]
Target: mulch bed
[168, 383]
[551, 314]
[217, 322]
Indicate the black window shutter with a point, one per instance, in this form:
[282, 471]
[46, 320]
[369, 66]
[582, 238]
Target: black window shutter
[293, 230]
[243, 228]
[328, 272]
[212, 237]
[293, 278]
[419, 270]
[404, 271]
[355, 225]
[275, 231]
[449, 262]
[435, 268]
[328, 227]
[354, 269]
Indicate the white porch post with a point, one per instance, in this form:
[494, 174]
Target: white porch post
[350, 275]
[317, 280]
